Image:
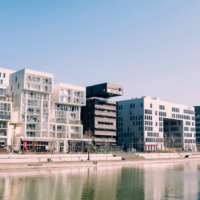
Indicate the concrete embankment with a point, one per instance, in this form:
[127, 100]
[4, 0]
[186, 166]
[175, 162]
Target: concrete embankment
[24, 158]
[68, 164]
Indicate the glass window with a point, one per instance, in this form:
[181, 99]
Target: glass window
[4, 75]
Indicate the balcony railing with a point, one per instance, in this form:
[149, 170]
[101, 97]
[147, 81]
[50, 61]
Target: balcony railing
[105, 139]
[3, 126]
[33, 120]
[32, 129]
[3, 134]
[106, 107]
[114, 91]
[5, 117]
[76, 136]
[61, 130]
[105, 113]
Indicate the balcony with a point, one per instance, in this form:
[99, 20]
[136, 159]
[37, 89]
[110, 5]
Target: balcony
[105, 119]
[104, 126]
[105, 113]
[105, 107]
[114, 91]
[61, 130]
[33, 120]
[76, 136]
[3, 133]
[60, 135]
[34, 97]
[74, 122]
[3, 126]
[6, 117]
[105, 139]
[106, 133]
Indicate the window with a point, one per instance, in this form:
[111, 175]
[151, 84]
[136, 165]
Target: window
[148, 112]
[15, 79]
[1, 81]
[161, 107]
[141, 104]
[0, 74]
[18, 85]
[151, 105]
[130, 105]
[187, 123]
[130, 112]
[61, 98]
[156, 112]
[133, 105]
[12, 95]
[156, 123]
[4, 75]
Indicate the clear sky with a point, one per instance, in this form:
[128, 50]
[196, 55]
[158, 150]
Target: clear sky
[150, 47]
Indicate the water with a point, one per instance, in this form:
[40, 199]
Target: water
[156, 181]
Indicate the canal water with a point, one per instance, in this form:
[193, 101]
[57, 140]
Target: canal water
[154, 181]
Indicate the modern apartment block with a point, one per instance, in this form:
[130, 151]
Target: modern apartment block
[66, 104]
[100, 113]
[39, 114]
[155, 124]
[6, 130]
[197, 124]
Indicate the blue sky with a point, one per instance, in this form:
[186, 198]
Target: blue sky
[151, 48]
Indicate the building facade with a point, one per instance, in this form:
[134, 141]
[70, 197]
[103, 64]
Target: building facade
[150, 124]
[6, 130]
[37, 114]
[197, 124]
[99, 116]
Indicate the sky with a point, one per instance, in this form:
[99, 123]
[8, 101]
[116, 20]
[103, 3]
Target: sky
[151, 48]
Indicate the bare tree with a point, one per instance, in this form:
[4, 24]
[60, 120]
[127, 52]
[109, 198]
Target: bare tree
[166, 141]
[89, 134]
[140, 143]
[173, 140]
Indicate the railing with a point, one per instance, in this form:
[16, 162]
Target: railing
[76, 136]
[3, 134]
[61, 130]
[34, 113]
[106, 107]
[34, 97]
[3, 126]
[32, 129]
[105, 126]
[5, 117]
[74, 122]
[33, 120]
[105, 113]
[5, 109]
[114, 91]
[104, 139]
[60, 136]
[107, 133]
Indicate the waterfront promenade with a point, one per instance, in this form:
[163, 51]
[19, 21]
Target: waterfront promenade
[20, 162]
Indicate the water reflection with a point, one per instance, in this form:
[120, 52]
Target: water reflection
[155, 181]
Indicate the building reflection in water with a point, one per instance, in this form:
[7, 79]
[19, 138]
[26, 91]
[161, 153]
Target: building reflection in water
[154, 181]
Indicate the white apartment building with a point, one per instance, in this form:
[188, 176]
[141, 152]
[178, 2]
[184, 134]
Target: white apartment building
[155, 124]
[38, 113]
[65, 124]
[6, 130]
